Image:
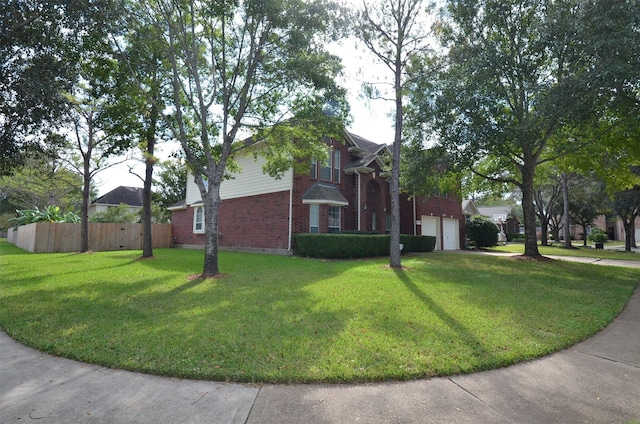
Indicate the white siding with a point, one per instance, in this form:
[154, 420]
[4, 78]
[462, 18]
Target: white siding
[250, 181]
[193, 194]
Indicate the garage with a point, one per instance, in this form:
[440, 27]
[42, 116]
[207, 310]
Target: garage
[446, 231]
[431, 227]
[450, 234]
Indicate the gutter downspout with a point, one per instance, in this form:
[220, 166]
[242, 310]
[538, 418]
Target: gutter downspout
[359, 201]
[291, 214]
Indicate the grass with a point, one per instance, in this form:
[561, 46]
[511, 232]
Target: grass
[579, 251]
[288, 319]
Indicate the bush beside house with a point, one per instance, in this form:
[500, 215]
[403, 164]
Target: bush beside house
[482, 232]
[337, 246]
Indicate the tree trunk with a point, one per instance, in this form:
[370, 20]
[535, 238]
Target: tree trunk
[147, 241]
[84, 212]
[584, 235]
[566, 229]
[544, 232]
[86, 189]
[528, 209]
[394, 247]
[555, 231]
[211, 205]
[628, 229]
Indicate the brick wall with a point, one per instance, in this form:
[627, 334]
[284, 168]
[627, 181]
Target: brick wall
[255, 221]
[182, 226]
[449, 207]
[249, 222]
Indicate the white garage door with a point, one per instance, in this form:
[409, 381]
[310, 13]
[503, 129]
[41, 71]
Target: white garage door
[431, 227]
[637, 235]
[450, 234]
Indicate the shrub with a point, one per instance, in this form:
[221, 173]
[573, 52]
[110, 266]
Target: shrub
[482, 232]
[357, 245]
[598, 235]
[120, 214]
[48, 214]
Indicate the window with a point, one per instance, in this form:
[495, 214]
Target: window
[329, 169]
[198, 220]
[314, 219]
[438, 193]
[314, 168]
[334, 219]
[387, 224]
[325, 168]
[374, 218]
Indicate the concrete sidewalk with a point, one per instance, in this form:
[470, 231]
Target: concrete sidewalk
[596, 381]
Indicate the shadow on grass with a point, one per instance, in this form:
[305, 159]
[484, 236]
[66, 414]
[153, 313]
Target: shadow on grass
[469, 338]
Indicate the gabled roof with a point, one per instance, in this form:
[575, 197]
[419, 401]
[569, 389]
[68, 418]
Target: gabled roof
[324, 194]
[367, 150]
[131, 196]
[469, 207]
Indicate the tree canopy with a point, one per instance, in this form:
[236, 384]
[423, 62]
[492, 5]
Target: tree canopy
[254, 71]
[39, 47]
[518, 76]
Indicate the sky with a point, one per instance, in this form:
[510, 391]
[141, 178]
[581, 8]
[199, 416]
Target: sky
[371, 119]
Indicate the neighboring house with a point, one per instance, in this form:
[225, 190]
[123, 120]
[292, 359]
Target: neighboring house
[131, 196]
[502, 217]
[611, 224]
[349, 191]
[469, 210]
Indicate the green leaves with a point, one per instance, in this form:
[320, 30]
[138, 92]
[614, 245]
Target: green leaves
[48, 214]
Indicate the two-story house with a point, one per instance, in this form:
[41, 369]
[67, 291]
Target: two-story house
[348, 191]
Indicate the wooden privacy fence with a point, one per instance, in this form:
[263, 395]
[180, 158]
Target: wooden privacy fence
[47, 237]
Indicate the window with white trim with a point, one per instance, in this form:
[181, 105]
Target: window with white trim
[314, 219]
[329, 168]
[314, 168]
[334, 219]
[325, 167]
[198, 220]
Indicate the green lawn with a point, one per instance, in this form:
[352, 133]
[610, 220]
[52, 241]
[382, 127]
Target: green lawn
[580, 251]
[288, 319]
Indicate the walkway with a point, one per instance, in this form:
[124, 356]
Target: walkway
[596, 381]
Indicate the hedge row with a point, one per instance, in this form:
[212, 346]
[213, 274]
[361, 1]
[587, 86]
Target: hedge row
[357, 245]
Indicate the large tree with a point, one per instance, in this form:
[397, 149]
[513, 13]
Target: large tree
[90, 100]
[509, 87]
[141, 91]
[587, 202]
[254, 68]
[40, 44]
[547, 196]
[42, 181]
[396, 32]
